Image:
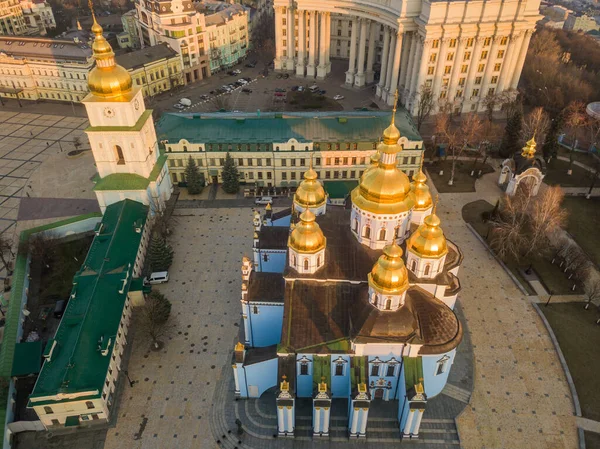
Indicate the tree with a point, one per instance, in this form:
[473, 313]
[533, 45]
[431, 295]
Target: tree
[154, 316]
[594, 174]
[425, 103]
[192, 177]
[511, 141]
[592, 289]
[550, 147]
[457, 137]
[231, 177]
[5, 249]
[536, 124]
[41, 246]
[525, 225]
[220, 103]
[576, 120]
[160, 254]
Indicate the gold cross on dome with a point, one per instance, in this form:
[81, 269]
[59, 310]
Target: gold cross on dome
[395, 100]
[435, 203]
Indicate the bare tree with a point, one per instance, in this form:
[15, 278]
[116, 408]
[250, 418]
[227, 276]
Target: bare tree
[592, 289]
[547, 215]
[41, 246]
[576, 121]
[566, 253]
[458, 137]
[425, 103]
[6, 250]
[154, 317]
[536, 123]
[220, 102]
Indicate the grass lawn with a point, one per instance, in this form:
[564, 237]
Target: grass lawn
[551, 275]
[463, 181]
[584, 158]
[582, 224]
[592, 440]
[556, 174]
[579, 337]
[306, 100]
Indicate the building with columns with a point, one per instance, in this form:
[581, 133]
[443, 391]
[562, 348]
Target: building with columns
[357, 308]
[462, 51]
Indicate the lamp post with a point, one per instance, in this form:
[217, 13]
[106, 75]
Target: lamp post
[549, 298]
[131, 382]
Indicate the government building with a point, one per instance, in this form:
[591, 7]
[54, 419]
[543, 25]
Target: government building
[275, 149]
[462, 51]
[348, 310]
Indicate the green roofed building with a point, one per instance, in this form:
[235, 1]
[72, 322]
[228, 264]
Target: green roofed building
[82, 362]
[274, 149]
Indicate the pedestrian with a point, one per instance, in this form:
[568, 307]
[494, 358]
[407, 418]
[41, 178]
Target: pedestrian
[47, 144]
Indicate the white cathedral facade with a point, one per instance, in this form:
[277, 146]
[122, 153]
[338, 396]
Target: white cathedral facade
[353, 303]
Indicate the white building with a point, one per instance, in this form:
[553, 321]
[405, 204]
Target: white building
[463, 51]
[38, 16]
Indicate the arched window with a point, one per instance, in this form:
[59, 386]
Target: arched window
[293, 147]
[306, 148]
[374, 299]
[185, 148]
[382, 234]
[277, 148]
[48, 410]
[397, 232]
[318, 261]
[355, 225]
[293, 260]
[306, 264]
[119, 155]
[89, 405]
[367, 232]
[427, 267]
[388, 304]
[413, 265]
[255, 310]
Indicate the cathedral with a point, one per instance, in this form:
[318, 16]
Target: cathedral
[351, 303]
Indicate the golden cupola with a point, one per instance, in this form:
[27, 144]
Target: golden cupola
[420, 189]
[428, 240]
[107, 79]
[389, 274]
[306, 236]
[310, 192]
[528, 150]
[384, 188]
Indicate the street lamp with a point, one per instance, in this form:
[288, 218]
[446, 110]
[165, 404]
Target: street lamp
[549, 298]
[131, 382]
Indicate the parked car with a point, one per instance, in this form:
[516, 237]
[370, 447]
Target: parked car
[251, 64]
[238, 84]
[338, 97]
[300, 88]
[204, 97]
[247, 79]
[246, 90]
[295, 88]
[185, 101]
[280, 89]
[158, 277]
[242, 81]
[59, 308]
[178, 106]
[279, 94]
[236, 71]
[263, 200]
[322, 92]
[286, 76]
[313, 88]
[231, 72]
[212, 92]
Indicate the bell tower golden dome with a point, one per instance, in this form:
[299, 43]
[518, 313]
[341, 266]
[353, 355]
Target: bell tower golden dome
[108, 79]
[306, 244]
[428, 240]
[310, 193]
[420, 189]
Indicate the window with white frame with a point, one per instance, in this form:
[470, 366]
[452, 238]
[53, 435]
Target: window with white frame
[442, 365]
[339, 368]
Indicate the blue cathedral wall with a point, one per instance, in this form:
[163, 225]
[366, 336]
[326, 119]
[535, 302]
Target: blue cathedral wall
[265, 327]
[257, 378]
[402, 399]
[435, 384]
[304, 383]
[340, 385]
[283, 221]
[274, 263]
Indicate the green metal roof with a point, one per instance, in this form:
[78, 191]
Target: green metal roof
[94, 311]
[122, 181]
[280, 127]
[28, 358]
[413, 371]
[339, 189]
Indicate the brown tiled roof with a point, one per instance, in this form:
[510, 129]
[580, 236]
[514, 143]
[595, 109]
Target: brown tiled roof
[286, 365]
[281, 213]
[266, 287]
[257, 355]
[273, 237]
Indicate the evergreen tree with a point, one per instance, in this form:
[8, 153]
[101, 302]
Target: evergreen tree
[160, 254]
[231, 181]
[511, 139]
[550, 147]
[192, 177]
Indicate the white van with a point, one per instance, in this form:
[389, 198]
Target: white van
[185, 102]
[158, 277]
[313, 88]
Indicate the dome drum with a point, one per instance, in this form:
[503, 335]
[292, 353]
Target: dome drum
[428, 241]
[310, 194]
[378, 230]
[306, 244]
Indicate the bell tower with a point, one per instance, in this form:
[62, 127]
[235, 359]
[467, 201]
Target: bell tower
[122, 134]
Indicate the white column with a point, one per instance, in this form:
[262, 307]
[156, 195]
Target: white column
[280, 419]
[395, 69]
[325, 428]
[235, 378]
[328, 42]
[310, 69]
[278, 38]
[408, 76]
[439, 68]
[363, 422]
[317, 421]
[301, 44]
[519, 65]
[384, 59]
[406, 44]
[371, 52]
[354, 425]
[290, 39]
[489, 66]
[290, 418]
[473, 69]
[458, 62]
[359, 79]
[352, 61]
[506, 72]
[420, 65]
[322, 67]
[415, 431]
[390, 65]
[408, 423]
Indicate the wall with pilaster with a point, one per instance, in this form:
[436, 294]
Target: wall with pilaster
[434, 384]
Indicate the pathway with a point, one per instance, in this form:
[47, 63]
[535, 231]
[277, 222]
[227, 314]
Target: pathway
[521, 397]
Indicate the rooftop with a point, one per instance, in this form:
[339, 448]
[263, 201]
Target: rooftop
[273, 127]
[148, 55]
[44, 48]
[94, 311]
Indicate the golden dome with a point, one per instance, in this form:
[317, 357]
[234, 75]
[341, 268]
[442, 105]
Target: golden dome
[107, 79]
[529, 148]
[389, 272]
[420, 189]
[384, 188]
[310, 192]
[307, 236]
[428, 240]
